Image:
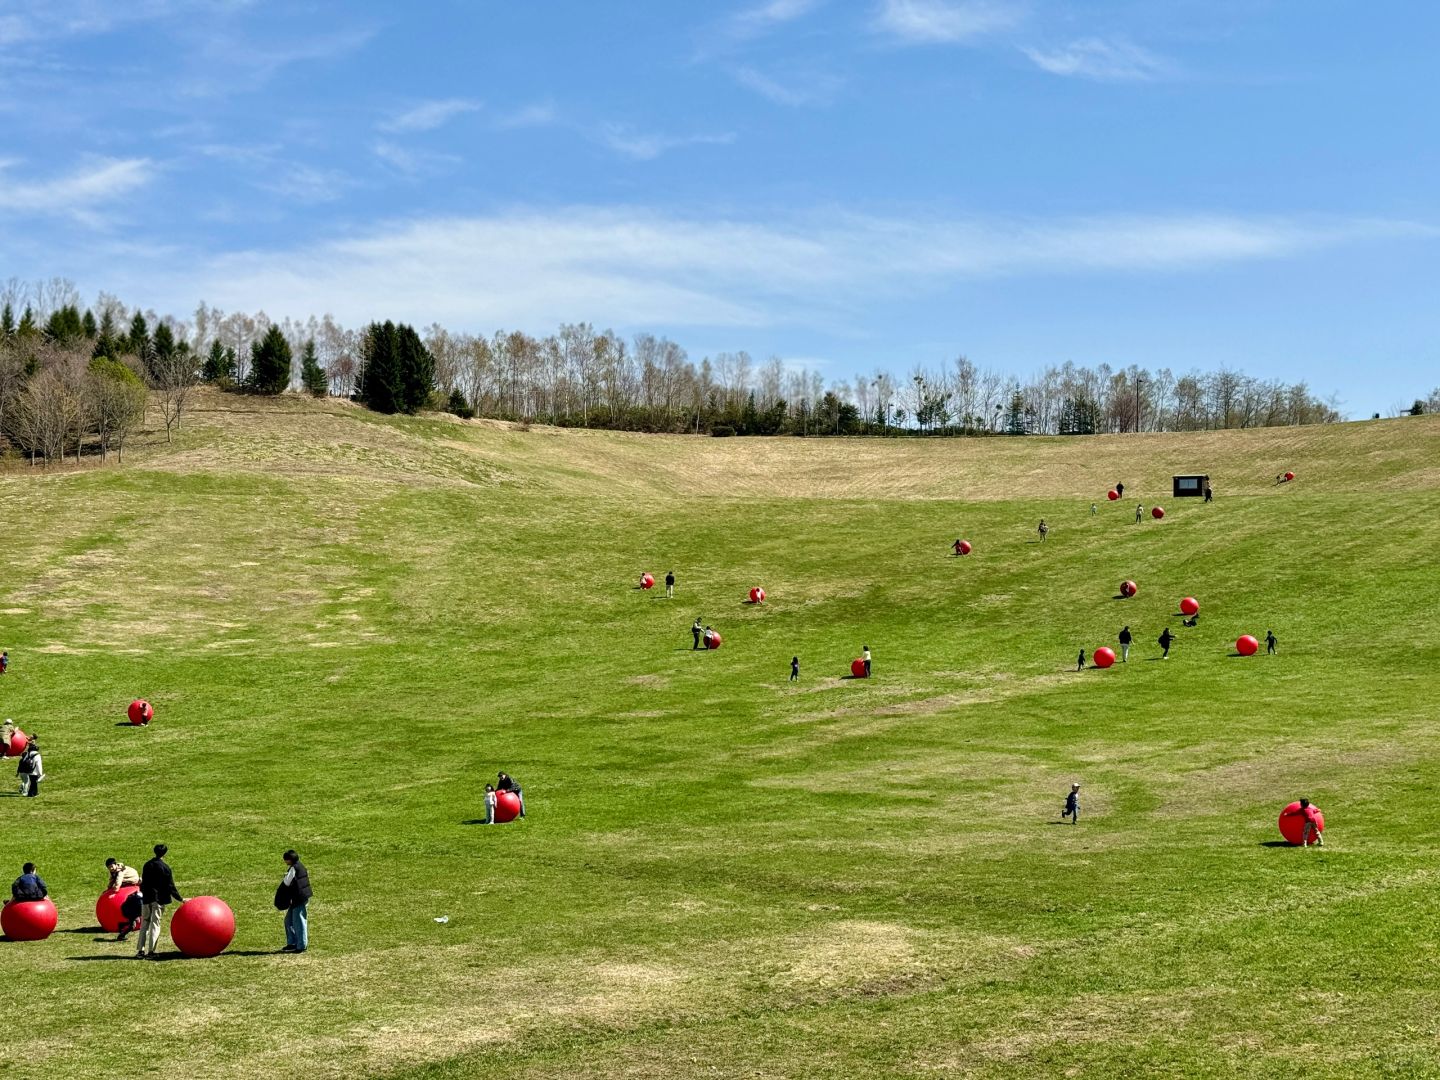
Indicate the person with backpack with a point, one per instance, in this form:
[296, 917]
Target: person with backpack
[157, 888]
[31, 769]
[1126, 639]
[293, 898]
[1164, 642]
[28, 886]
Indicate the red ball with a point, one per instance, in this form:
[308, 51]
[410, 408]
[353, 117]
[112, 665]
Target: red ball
[29, 920]
[647, 581]
[965, 547]
[1128, 588]
[140, 712]
[202, 926]
[1157, 513]
[713, 640]
[1189, 606]
[757, 595]
[1289, 476]
[1104, 656]
[1247, 645]
[1112, 494]
[857, 668]
[1292, 822]
[18, 742]
[107, 908]
[507, 806]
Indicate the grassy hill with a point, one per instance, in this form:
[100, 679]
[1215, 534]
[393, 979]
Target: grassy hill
[348, 623]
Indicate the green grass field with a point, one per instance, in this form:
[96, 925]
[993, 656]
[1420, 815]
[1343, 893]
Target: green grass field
[348, 623]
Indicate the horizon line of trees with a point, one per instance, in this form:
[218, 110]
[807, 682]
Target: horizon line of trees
[70, 375]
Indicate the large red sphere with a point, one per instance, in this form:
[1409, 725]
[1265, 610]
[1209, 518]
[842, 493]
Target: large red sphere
[1292, 823]
[1289, 476]
[107, 908]
[1112, 494]
[140, 712]
[1189, 606]
[1104, 656]
[1128, 588]
[1157, 513]
[202, 926]
[757, 595]
[647, 581]
[29, 920]
[965, 547]
[1247, 645]
[857, 668]
[507, 806]
[18, 742]
[713, 640]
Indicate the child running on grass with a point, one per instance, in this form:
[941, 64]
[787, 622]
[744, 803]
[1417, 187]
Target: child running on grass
[1072, 805]
[1080, 664]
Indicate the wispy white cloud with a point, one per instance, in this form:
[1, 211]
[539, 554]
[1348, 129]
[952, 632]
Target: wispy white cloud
[643, 146]
[945, 21]
[796, 91]
[428, 115]
[636, 267]
[411, 162]
[539, 114]
[79, 193]
[763, 18]
[1115, 60]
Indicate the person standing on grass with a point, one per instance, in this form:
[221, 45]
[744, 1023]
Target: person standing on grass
[295, 886]
[670, 585]
[1119, 491]
[1164, 641]
[865, 656]
[695, 631]
[1094, 509]
[794, 669]
[504, 782]
[4, 661]
[157, 888]
[28, 886]
[1270, 642]
[1126, 638]
[31, 769]
[489, 804]
[1072, 805]
[1311, 814]
[1043, 530]
[7, 730]
[122, 876]
[1139, 512]
[1209, 493]
[1080, 664]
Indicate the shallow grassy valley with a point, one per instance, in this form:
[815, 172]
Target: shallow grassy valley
[348, 623]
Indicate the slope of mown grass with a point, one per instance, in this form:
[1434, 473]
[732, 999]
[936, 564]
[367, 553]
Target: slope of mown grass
[348, 623]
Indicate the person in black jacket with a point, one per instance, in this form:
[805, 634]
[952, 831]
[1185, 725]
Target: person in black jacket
[1126, 640]
[295, 891]
[157, 888]
[1164, 641]
[504, 782]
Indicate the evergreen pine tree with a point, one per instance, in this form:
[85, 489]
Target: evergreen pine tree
[270, 363]
[7, 321]
[312, 375]
[219, 364]
[88, 325]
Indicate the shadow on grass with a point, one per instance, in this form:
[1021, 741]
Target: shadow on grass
[86, 930]
[475, 821]
[1277, 843]
[166, 957]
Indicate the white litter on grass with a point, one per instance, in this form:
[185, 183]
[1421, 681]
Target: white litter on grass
[443, 919]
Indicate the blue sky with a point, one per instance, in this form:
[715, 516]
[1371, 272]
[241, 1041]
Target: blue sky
[863, 184]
